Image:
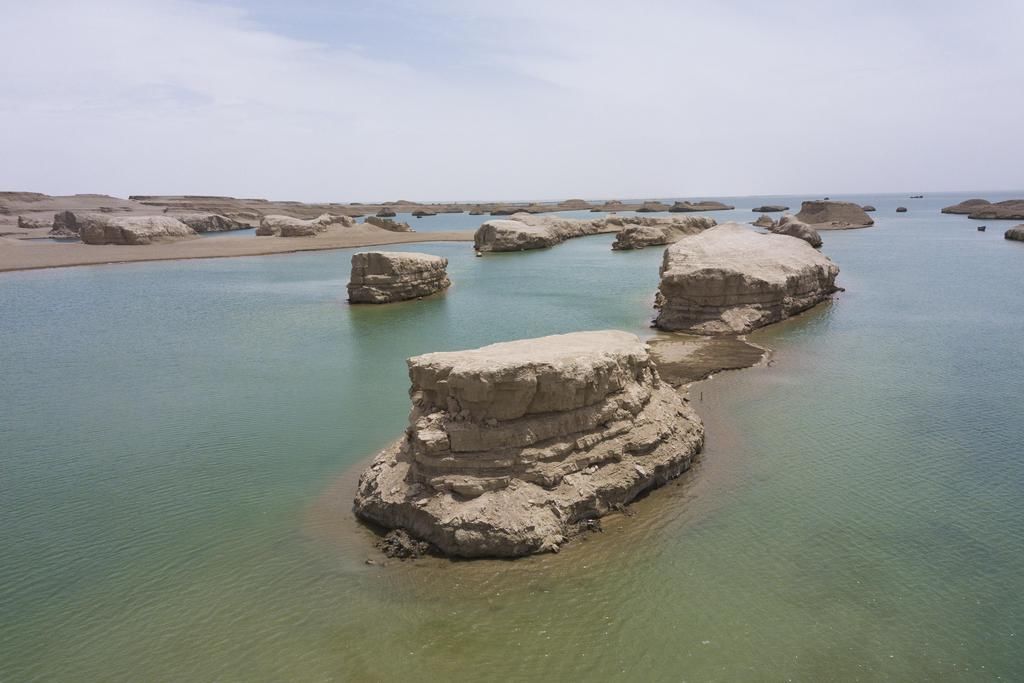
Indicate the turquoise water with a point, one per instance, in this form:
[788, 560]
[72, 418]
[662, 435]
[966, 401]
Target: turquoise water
[179, 440]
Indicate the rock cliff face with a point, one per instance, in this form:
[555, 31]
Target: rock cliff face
[639, 232]
[1015, 233]
[381, 277]
[64, 225]
[389, 224]
[789, 225]
[830, 215]
[287, 226]
[730, 280]
[525, 231]
[512, 448]
[103, 229]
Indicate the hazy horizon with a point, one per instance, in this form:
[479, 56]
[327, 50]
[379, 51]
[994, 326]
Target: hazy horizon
[322, 101]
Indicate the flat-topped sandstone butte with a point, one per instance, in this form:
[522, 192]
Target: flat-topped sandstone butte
[381, 277]
[731, 280]
[524, 231]
[105, 229]
[832, 215]
[511, 448]
[288, 226]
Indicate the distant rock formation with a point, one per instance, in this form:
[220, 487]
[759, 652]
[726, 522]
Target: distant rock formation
[652, 207]
[612, 205]
[638, 232]
[105, 229]
[382, 277]
[387, 212]
[764, 222]
[901, 209]
[424, 212]
[730, 280]
[26, 223]
[829, 215]
[789, 225]
[524, 231]
[209, 222]
[683, 207]
[967, 206]
[574, 205]
[513, 448]
[868, 208]
[286, 226]
[389, 224]
[1015, 233]
[64, 225]
[771, 208]
[1008, 210]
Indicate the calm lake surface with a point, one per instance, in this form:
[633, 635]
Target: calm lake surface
[179, 443]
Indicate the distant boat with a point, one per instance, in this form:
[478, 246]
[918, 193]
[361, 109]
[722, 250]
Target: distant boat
[981, 228]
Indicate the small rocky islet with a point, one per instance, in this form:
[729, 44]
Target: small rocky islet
[382, 277]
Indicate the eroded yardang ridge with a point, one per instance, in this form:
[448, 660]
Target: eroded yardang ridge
[512, 447]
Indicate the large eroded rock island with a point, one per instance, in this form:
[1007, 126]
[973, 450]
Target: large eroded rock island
[731, 280]
[524, 231]
[512, 448]
[1009, 209]
[833, 215]
[382, 277]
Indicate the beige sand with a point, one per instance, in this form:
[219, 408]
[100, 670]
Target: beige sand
[21, 254]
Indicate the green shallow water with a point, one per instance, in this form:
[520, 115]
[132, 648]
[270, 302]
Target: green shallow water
[179, 441]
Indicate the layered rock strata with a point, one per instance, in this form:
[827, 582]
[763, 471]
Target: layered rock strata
[512, 448]
[730, 279]
[639, 232]
[210, 222]
[104, 229]
[381, 277]
[832, 215]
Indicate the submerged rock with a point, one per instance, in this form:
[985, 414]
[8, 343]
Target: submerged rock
[1015, 233]
[381, 277]
[288, 226]
[105, 229]
[789, 225]
[829, 215]
[683, 207]
[732, 280]
[389, 224]
[771, 208]
[513, 448]
[641, 231]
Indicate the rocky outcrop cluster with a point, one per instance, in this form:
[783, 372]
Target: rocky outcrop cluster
[287, 226]
[1010, 209]
[1015, 233]
[382, 277]
[731, 280]
[389, 224]
[789, 225]
[513, 448]
[638, 232]
[832, 215]
[104, 229]
[686, 207]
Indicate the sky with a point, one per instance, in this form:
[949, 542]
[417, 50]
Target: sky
[374, 100]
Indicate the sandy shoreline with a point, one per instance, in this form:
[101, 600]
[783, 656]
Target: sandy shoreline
[20, 254]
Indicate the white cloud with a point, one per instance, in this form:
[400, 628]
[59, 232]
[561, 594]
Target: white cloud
[511, 100]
